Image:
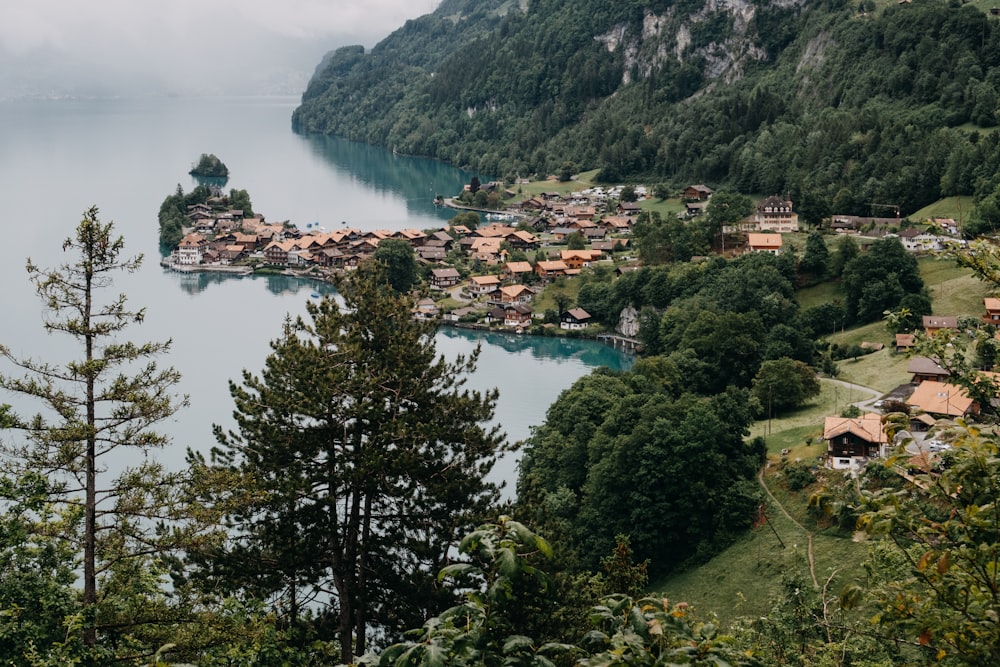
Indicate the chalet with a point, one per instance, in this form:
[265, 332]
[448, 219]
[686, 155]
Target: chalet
[495, 230]
[916, 240]
[935, 323]
[414, 237]
[559, 234]
[551, 269]
[329, 257]
[517, 315]
[444, 278]
[850, 441]
[277, 252]
[607, 246]
[576, 259]
[426, 310]
[942, 400]
[515, 294]
[992, 315]
[904, 342]
[431, 254]
[522, 240]
[628, 208]
[534, 204]
[580, 212]
[459, 313]
[773, 214]
[594, 233]
[617, 224]
[769, 243]
[693, 209]
[575, 318]
[441, 238]
[699, 192]
[924, 368]
[482, 285]
[232, 253]
[516, 270]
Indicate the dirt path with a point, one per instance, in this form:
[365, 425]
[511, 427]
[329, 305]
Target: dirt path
[809, 535]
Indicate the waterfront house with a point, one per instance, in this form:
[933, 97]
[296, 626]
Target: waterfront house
[517, 315]
[277, 252]
[574, 319]
[426, 310]
[850, 441]
[191, 249]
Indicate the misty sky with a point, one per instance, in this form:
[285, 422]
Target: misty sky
[182, 46]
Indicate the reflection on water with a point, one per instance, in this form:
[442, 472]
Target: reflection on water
[197, 282]
[418, 180]
[588, 352]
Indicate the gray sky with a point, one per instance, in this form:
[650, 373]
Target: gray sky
[176, 45]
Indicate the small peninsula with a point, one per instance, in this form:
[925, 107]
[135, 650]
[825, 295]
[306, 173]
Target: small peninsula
[209, 166]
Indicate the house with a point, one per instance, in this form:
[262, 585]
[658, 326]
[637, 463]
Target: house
[459, 313]
[769, 243]
[925, 368]
[850, 441]
[515, 294]
[191, 249]
[773, 214]
[445, 278]
[904, 342]
[916, 240]
[482, 285]
[577, 259]
[517, 315]
[617, 224]
[426, 310]
[699, 192]
[515, 270]
[277, 252]
[935, 323]
[693, 209]
[992, 315]
[522, 240]
[628, 208]
[942, 400]
[575, 318]
[551, 269]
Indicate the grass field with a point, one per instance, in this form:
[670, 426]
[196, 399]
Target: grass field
[957, 208]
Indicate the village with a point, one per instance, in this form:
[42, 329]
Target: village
[491, 275]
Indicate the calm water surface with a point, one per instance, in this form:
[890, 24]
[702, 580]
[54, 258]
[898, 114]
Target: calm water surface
[58, 158]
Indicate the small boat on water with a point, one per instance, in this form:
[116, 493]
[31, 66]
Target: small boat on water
[315, 295]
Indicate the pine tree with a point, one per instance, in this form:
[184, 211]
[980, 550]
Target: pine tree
[94, 408]
[366, 459]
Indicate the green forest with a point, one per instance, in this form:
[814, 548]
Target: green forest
[840, 105]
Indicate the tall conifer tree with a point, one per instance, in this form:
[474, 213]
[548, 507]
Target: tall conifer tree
[95, 408]
[366, 458]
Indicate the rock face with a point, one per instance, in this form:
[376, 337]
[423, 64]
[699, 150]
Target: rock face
[628, 323]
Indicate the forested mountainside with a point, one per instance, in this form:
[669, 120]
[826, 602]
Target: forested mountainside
[838, 104]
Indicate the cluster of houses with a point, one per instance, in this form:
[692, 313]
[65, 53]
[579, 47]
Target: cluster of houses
[931, 396]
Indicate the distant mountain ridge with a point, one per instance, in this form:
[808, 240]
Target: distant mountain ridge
[840, 105]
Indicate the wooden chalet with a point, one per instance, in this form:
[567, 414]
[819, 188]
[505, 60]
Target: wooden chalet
[850, 441]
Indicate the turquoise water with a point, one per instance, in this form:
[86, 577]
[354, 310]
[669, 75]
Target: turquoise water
[57, 158]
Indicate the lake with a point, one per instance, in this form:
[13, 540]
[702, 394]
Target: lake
[59, 157]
